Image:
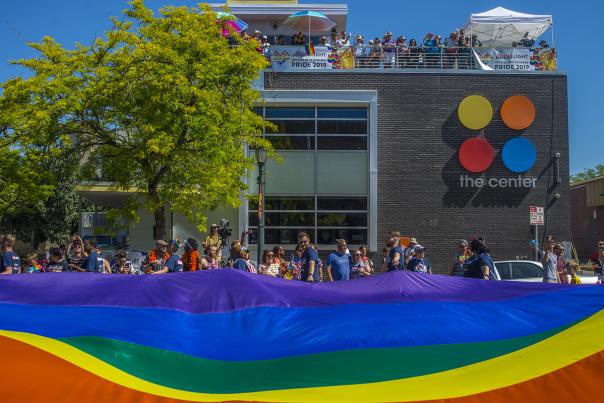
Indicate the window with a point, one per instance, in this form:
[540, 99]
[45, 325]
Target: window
[317, 128]
[330, 218]
[522, 270]
[289, 113]
[342, 143]
[294, 126]
[292, 142]
[321, 187]
[504, 271]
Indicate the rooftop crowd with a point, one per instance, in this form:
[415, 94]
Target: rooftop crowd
[472, 259]
[454, 51]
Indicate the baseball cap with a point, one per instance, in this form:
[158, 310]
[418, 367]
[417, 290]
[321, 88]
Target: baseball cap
[214, 225]
[418, 248]
[161, 242]
[412, 240]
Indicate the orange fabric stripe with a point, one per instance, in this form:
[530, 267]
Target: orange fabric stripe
[577, 383]
[33, 375]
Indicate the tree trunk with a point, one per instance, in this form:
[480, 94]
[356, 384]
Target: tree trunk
[159, 230]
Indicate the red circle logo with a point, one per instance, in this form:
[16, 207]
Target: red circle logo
[476, 155]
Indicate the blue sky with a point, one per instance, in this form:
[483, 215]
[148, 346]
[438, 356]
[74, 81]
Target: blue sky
[577, 37]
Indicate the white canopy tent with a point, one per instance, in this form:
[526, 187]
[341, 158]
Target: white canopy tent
[501, 27]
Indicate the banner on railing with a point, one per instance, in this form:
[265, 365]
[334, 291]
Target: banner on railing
[514, 59]
[288, 58]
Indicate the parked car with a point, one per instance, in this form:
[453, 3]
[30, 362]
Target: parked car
[528, 270]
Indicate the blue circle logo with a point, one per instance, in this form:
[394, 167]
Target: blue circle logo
[519, 154]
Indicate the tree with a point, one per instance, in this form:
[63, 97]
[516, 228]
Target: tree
[589, 173]
[166, 101]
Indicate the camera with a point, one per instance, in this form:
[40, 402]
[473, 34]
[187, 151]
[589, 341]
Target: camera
[225, 229]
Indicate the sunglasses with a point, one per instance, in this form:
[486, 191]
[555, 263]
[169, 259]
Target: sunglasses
[357, 254]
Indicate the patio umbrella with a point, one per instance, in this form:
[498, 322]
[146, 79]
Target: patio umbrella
[314, 21]
[230, 20]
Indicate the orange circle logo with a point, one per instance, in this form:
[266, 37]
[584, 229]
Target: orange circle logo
[518, 112]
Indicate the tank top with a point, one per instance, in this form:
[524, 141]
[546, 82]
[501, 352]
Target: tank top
[212, 263]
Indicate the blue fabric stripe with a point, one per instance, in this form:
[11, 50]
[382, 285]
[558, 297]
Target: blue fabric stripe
[265, 333]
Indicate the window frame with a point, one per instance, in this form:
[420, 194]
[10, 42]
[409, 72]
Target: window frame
[330, 98]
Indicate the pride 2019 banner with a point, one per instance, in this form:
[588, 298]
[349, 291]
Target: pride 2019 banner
[288, 58]
[226, 336]
[514, 59]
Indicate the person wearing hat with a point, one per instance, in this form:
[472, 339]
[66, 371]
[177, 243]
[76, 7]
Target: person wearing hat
[174, 263]
[361, 52]
[213, 239]
[418, 262]
[156, 257]
[243, 261]
[389, 48]
[401, 51]
[409, 251]
[431, 50]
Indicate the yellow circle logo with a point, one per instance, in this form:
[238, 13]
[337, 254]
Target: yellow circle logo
[475, 112]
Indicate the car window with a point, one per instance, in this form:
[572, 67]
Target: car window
[504, 270]
[522, 270]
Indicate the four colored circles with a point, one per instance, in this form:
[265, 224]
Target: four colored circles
[476, 154]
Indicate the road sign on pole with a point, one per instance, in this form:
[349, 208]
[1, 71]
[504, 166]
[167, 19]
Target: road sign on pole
[537, 215]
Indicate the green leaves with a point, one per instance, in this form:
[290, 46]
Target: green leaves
[164, 100]
[589, 173]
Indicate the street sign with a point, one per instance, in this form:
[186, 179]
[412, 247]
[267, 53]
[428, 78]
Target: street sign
[537, 215]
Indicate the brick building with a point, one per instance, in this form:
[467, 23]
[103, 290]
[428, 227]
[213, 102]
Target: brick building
[415, 182]
[369, 151]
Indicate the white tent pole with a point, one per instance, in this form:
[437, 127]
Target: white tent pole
[308, 30]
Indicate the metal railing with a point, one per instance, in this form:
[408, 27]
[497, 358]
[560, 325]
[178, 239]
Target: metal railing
[413, 58]
[286, 58]
[368, 57]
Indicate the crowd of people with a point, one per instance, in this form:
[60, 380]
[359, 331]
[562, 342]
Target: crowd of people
[472, 259]
[433, 51]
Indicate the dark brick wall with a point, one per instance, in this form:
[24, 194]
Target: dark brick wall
[418, 169]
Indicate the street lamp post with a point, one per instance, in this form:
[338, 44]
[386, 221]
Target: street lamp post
[261, 157]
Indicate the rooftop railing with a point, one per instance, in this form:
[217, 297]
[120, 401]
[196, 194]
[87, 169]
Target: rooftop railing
[305, 58]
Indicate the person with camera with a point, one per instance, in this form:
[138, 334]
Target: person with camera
[213, 239]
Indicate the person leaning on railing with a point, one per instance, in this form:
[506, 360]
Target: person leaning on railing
[450, 55]
[414, 55]
[375, 53]
[401, 51]
[361, 52]
[389, 50]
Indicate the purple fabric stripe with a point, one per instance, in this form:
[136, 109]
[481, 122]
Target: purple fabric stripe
[229, 290]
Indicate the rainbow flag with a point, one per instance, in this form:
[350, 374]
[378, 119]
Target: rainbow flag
[310, 49]
[224, 335]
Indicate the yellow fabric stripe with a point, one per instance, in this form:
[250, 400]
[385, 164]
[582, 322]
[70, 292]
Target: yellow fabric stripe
[536, 360]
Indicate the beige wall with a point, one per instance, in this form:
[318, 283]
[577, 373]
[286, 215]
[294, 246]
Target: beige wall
[141, 234]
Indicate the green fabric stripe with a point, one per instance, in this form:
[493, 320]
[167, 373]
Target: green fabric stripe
[185, 372]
